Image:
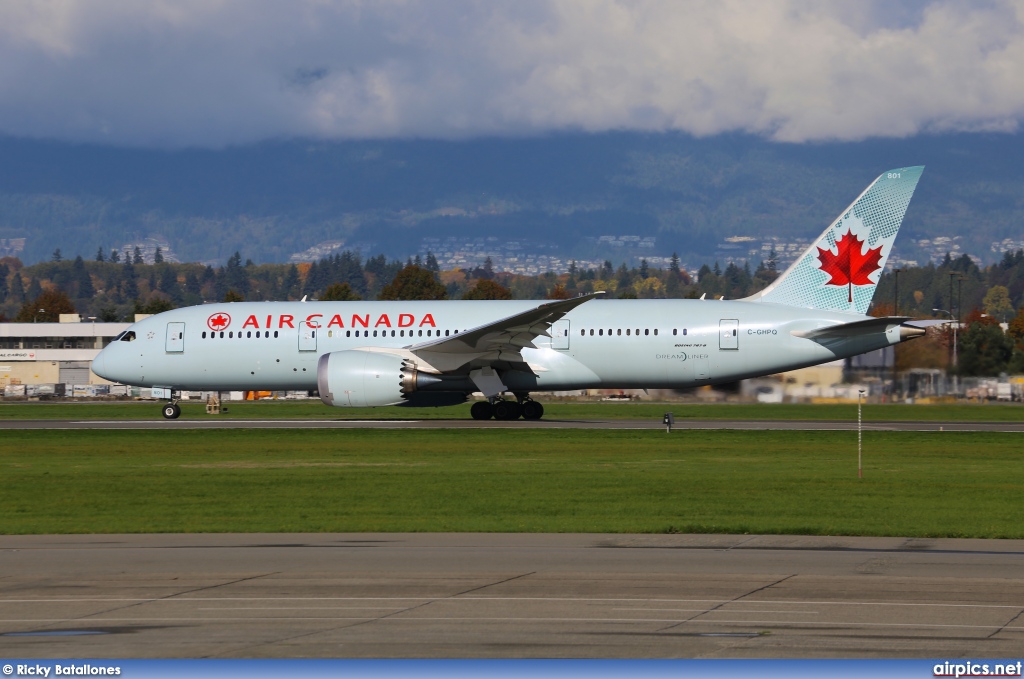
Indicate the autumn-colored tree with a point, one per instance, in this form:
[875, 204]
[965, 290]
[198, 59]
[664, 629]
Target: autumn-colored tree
[232, 296]
[487, 289]
[414, 282]
[997, 302]
[47, 307]
[339, 292]
[1016, 329]
[558, 292]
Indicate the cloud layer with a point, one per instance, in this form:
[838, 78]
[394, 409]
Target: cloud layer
[216, 72]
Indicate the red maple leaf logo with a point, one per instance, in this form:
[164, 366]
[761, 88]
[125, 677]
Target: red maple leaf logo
[218, 321]
[851, 265]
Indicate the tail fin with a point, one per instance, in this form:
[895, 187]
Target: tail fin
[840, 271]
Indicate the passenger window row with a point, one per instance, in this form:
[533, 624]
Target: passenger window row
[600, 332]
[231, 334]
[395, 333]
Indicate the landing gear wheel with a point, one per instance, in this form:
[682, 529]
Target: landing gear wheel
[172, 411]
[532, 410]
[507, 410]
[482, 410]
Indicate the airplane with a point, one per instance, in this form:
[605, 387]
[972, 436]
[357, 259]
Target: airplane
[438, 353]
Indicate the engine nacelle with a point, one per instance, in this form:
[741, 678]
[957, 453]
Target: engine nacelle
[364, 379]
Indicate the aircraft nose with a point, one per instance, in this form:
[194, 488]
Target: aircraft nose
[99, 365]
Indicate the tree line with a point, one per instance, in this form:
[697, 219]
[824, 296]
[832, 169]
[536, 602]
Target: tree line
[115, 287]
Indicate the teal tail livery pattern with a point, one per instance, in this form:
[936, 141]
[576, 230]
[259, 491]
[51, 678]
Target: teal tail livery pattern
[840, 271]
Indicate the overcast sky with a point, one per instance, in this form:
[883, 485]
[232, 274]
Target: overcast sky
[215, 72]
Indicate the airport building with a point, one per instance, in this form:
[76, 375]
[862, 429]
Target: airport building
[37, 354]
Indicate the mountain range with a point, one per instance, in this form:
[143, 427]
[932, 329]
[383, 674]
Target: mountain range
[561, 193]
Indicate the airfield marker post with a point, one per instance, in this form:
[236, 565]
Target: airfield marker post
[860, 469]
[668, 420]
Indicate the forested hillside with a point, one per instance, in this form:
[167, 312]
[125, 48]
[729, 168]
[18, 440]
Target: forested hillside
[271, 200]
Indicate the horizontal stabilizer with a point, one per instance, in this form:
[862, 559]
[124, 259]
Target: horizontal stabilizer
[865, 327]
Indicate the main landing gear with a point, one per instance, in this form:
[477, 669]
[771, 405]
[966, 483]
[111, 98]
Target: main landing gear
[172, 410]
[501, 409]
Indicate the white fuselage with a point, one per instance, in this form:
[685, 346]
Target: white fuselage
[599, 344]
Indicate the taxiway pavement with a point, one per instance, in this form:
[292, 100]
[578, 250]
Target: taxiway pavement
[509, 595]
[756, 425]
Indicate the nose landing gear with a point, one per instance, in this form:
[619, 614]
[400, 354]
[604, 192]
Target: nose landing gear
[172, 410]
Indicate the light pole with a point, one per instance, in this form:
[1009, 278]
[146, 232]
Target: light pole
[860, 469]
[35, 319]
[895, 312]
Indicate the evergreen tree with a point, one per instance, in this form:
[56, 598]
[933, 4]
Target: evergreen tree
[432, 264]
[644, 270]
[137, 256]
[158, 256]
[57, 257]
[984, 350]
[193, 289]
[623, 276]
[673, 267]
[129, 281]
[290, 284]
[168, 284]
[115, 257]
[235, 277]
[773, 261]
[82, 280]
[339, 292]
[34, 289]
[99, 255]
[414, 282]
[17, 289]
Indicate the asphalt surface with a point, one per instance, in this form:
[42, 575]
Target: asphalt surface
[764, 425]
[509, 595]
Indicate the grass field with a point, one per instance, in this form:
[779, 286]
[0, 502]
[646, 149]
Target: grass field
[122, 410]
[943, 484]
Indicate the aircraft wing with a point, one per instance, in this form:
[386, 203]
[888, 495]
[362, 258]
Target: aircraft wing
[497, 344]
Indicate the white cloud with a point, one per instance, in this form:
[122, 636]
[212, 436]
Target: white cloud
[211, 72]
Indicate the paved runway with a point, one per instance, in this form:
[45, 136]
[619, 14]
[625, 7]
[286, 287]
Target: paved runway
[497, 595]
[778, 425]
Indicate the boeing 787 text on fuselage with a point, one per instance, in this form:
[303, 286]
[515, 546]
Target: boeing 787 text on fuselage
[437, 353]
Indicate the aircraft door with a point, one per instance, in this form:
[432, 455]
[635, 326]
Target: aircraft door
[175, 341]
[560, 334]
[728, 334]
[307, 337]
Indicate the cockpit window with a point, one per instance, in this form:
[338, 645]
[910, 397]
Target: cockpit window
[119, 336]
[127, 336]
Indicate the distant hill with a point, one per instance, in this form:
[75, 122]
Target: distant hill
[562, 193]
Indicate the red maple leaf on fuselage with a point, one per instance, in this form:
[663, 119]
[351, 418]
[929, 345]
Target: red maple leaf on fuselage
[851, 265]
[218, 321]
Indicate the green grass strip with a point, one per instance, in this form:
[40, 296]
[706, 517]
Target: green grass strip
[938, 485]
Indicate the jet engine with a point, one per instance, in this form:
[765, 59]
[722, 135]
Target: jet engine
[367, 379]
